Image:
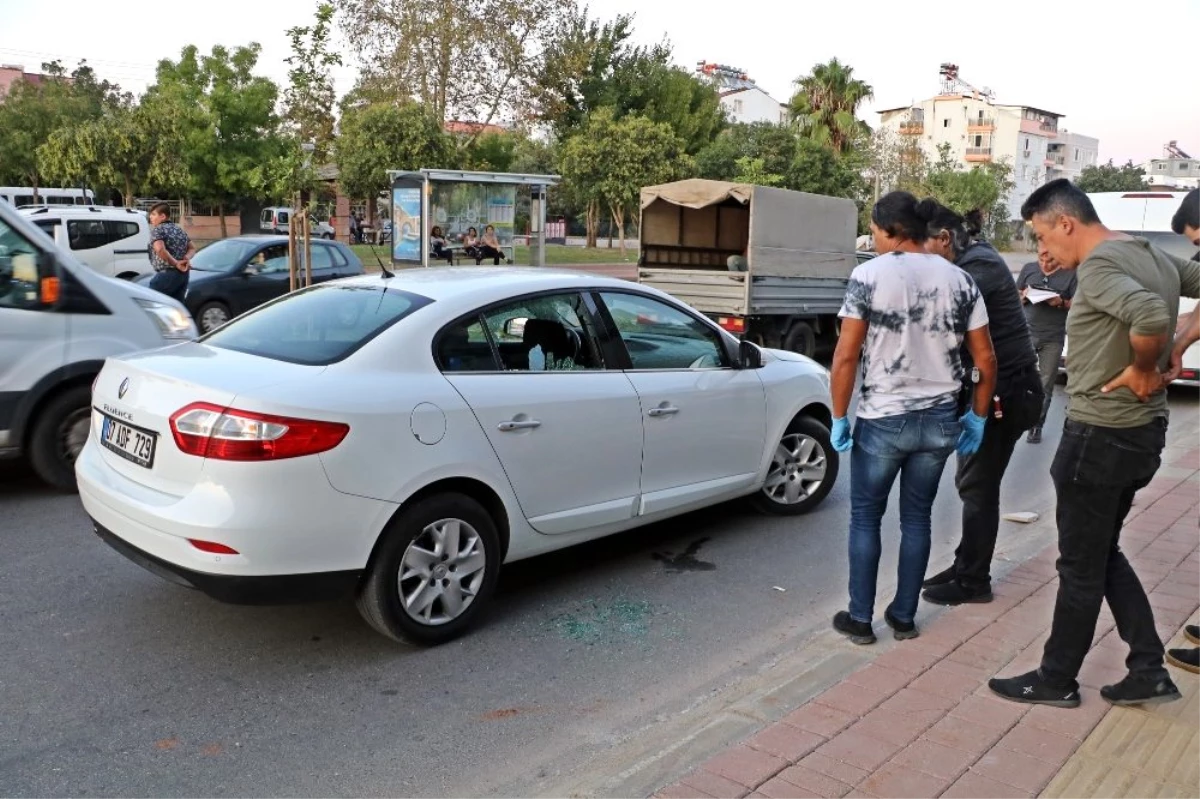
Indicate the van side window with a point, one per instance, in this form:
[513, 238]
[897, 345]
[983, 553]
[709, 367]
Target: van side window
[86, 234]
[121, 230]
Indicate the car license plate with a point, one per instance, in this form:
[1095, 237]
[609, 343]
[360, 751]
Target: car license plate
[134, 444]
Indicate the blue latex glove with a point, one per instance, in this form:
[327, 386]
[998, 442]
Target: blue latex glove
[972, 433]
[840, 435]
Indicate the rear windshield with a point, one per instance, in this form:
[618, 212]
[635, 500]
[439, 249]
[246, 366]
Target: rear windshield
[317, 326]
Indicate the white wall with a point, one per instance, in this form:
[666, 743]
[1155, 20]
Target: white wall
[752, 105]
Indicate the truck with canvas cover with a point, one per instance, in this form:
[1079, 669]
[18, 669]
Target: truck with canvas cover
[766, 264]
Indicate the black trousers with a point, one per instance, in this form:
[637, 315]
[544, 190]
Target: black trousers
[171, 282]
[1096, 472]
[978, 478]
[485, 251]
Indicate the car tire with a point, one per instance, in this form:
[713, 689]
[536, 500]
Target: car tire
[410, 560]
[791, 488]
[801, 339]
[212, 315]
[58, 434]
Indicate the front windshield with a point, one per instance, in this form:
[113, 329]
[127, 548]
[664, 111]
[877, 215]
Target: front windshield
[221, 256]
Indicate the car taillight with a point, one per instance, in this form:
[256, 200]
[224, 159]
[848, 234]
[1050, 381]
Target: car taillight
[210, 431]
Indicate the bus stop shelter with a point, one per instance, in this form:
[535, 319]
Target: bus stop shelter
[455, 201]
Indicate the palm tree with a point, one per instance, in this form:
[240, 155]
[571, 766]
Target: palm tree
[824, 105]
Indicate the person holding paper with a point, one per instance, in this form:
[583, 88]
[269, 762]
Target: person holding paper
[1047, 317]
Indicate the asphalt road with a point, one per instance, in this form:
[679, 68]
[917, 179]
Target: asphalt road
[114, 682]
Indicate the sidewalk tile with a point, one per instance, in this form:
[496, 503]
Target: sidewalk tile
[745, 765]
[1075, 723]
[974, 785]
[919, 705]
[892, 727]
[780, 788]
[842, 772]
[959, 733]
[1160, 600]
[910, 661]
[853, 699]
[783, 740]
[813, 783]
[820, 719]
[979, 656]
[1096, 675]
[989, 711]
[1030, 740]
[945, 681]
[1017, 769]
[1173, 586]
[859, 750]
[934, 758]
[715, 785]
[896, 780]
[936, 645]
[885, 680]
[680, 791]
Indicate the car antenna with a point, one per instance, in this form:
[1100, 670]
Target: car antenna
[383, 269]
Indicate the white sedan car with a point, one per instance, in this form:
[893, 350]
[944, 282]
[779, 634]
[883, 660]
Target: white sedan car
[402, 436]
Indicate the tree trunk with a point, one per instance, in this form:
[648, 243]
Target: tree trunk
[593, 222]
[618, 218]
[221, 215]
[128, 192]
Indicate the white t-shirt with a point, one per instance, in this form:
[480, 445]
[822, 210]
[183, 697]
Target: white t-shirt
[918, 308]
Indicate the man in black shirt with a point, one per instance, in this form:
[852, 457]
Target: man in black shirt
[1047, 322]
[1018, 400]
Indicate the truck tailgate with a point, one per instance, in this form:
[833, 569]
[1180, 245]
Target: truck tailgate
[708, 291]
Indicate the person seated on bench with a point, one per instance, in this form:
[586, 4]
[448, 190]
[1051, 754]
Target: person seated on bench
[437, 246]
[490, 247]
[470, 243]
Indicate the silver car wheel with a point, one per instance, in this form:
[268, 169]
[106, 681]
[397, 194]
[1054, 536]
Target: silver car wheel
[797, 469]
[441, 572]
[213, 317]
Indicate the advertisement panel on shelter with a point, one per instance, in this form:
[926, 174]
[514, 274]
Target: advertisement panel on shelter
[460, 209]
[406, 220]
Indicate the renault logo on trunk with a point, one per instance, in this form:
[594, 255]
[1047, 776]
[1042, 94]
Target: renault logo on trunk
[123, 388]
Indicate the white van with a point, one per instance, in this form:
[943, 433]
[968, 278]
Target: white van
[1148, 214]
[23, 196]
[113, 241]
[59, 321]
[276, 220]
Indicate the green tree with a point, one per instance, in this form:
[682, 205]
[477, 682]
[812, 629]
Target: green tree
[471, 58]
[31, 113]
[606, 164]
[228, 126]
[773, 144]
[130, 147]
[817, 169]
[825, 104]
[309, 97]
[377, 138]
[753, 170]
[491, 152]
[1109, 177]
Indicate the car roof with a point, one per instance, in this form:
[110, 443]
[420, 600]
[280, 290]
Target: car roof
[80, 210]
[486, 284]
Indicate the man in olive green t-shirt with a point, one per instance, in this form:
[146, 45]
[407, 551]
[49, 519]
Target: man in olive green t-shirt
[1119, 327]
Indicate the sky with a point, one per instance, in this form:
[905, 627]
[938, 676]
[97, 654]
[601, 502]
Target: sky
[1129, 77]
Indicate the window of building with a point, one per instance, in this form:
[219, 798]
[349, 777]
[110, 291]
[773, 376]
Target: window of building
[946, 122]
[737, 106]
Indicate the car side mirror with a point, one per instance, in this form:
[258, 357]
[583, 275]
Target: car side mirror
[749, 355]
[49, 287]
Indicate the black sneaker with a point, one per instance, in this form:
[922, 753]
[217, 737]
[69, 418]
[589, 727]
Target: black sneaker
[900, 630]
[1138, 691]
[1186, 659]
[941, 578]
[1192, 633]
[1035, 436]
[1031, 689]
[955, 593]
[857, 631]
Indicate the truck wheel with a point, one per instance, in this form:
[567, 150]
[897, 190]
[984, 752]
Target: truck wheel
[59, 434]
[801, 339]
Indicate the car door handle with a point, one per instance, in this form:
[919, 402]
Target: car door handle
[664, 410]
[524, 424]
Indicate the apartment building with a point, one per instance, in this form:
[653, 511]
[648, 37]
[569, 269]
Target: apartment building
[1176, 169]
[751, 104]
[980, 131]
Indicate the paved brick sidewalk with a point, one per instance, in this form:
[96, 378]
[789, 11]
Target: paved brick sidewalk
[920, 721]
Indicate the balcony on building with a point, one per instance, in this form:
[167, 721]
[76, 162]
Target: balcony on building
[979, 154]
[912, 127]
[981, 125]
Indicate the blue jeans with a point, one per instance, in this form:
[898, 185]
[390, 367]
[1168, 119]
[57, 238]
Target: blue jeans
[915, 446]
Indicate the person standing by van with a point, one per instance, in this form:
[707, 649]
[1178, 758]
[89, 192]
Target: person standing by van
[170, 253]
[905, 317]
[1047, 322]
